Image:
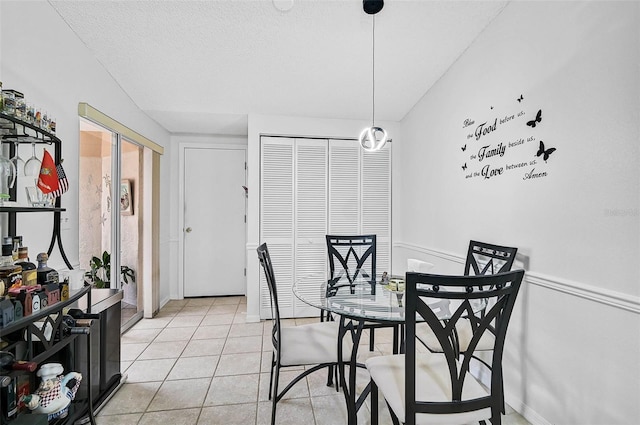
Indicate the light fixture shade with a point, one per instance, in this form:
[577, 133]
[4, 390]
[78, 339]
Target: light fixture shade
[373, 139]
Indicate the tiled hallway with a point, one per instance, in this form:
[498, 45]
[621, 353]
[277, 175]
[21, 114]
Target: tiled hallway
[199, 363]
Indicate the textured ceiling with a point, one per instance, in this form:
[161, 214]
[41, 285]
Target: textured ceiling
[202, 66]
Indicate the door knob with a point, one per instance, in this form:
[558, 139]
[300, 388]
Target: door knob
[188, 229]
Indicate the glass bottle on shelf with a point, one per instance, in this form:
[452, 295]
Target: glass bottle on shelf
[45, 273]
[7, 255]
[29, 271]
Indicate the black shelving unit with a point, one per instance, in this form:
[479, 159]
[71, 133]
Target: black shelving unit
[22, 132]
[20, 336]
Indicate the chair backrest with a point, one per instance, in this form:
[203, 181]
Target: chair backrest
[352, 256]
[425, 293]
[267, 266]
[484, 258]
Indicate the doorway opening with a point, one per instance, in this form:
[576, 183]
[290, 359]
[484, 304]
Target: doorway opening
[118, 175]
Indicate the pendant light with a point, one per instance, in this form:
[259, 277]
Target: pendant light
[373, 138]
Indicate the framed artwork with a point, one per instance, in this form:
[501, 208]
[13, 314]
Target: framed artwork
[126, 200]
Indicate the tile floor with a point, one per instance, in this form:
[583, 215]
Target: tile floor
[199, 363]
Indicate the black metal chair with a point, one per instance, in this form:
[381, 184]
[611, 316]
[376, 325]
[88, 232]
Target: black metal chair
[353, 257]
[421, 387]
[482, 259]
[314, 344]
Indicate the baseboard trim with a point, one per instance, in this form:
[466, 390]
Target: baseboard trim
[592, 293]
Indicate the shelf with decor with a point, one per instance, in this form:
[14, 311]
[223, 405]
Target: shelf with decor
[13, 132]
[40, 338]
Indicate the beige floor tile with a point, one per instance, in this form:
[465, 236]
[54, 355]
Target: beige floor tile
[133, 336]
[210, 332]
[265, 363]
[133, 350]
[176, 334]
[130, 419]
[236, 414]
[306, 320]
[241, 319]
[181, 394]
[228, 300]
[232, 390]
[318, 384]
[223, 309]
[131, 398]
[330, 410]
[217, 319]
[124, 365]
[203, 347]
[171, 417]
[167, 313]
[299, 390]
[163, 350]
[197, 310]
[246, 344]
[293, 411]
[245, 329]
[239, 364]
[185, 321]
[149, 370]
[175, 303]
[208, 301]
[194, 367]
[155, 323]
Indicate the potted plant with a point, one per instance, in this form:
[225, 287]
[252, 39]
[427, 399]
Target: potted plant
[100, 273]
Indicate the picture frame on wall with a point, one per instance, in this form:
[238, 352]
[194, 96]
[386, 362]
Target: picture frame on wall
[126, 200]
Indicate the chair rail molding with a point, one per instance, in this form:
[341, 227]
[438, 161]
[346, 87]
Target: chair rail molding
[603, 296]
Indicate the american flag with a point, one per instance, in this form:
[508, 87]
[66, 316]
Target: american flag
[63, 183]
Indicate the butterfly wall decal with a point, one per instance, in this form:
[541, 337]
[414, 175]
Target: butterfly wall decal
[520, 99]
[464, 167]
[464, 148]
[533, 123]
[544, 153]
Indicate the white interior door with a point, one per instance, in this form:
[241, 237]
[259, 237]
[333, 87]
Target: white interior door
[214, 222]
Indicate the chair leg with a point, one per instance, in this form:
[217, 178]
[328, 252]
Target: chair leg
[371, 340]
[374, 403]
[273, 363]
[330, 376]
[275, 394]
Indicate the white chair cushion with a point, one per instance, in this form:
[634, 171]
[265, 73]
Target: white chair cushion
[312, 344]
[463, 328]
[432, 384]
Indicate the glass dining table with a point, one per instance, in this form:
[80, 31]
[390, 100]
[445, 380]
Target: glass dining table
[358, 302]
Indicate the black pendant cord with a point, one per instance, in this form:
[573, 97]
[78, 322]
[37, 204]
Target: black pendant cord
[373, 72]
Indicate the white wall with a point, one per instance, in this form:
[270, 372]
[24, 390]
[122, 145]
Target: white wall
[43, 58]
[293, 127]
[574, 343]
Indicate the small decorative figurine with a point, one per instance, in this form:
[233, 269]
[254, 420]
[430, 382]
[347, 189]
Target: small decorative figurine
[55, 392]
[385, 278]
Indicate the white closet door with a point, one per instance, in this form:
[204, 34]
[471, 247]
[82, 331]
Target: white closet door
[277, 220]
[344, 187]
[310, 218]
[376, 203]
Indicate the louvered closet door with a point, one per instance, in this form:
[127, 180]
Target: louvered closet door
[376, 203]
[310, 181]
[344, 187]
[277, 220]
